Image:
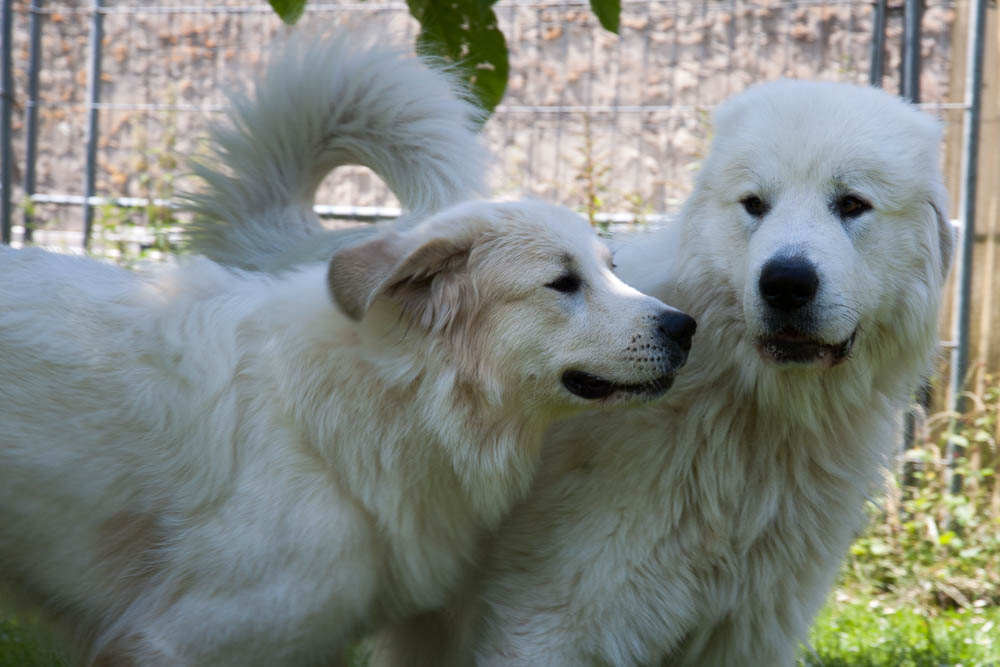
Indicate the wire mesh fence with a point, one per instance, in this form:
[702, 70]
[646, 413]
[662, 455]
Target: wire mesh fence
[612, 125]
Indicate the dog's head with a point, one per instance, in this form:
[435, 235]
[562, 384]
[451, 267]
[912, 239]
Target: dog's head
[523, 298]
[825, 209]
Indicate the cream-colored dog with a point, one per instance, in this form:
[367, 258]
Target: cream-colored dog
[201, 466]
[708, 528]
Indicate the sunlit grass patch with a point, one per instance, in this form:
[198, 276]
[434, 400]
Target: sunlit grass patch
[866, 633]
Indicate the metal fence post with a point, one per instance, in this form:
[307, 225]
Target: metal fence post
[94, 97]
[31, 122]
[877, 64]
[910, 79]
[967, 214]
[6, 101]
[913, 14]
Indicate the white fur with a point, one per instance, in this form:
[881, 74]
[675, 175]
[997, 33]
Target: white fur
[201, 466]
[707, 529]
[322, 102]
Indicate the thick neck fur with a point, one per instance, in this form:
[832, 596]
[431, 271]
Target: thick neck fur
[485, 446]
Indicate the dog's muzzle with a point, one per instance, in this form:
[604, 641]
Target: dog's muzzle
[668, 351]
[788, 286]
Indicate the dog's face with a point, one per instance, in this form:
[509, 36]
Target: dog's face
[525, 299]
[825, 210]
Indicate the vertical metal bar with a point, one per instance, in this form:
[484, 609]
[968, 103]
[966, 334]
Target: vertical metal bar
[509, 121]
[535, 125]
[666, 147]
[641, 117]
[846, 50]
[731, 47]
[6, 102]
[615, 118]
[786, 40]
[967, 214]
[910, 81]
[31, 123]
[561, 116]
[909, 84]
[94, 97]
[877, 64]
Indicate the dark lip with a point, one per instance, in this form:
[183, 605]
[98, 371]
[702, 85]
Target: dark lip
[791, 347]
[593, 387]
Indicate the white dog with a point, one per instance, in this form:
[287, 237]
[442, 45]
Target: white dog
[708, 528]
[201, 466]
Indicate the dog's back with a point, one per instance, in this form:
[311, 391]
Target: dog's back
[99, 334]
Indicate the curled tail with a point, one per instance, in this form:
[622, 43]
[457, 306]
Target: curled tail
[323, 103]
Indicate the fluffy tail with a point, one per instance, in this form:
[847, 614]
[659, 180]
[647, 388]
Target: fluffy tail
[320, 104]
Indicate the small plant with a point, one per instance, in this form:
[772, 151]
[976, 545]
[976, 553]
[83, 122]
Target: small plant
[637, 206]
[929, 547]
[592, 175]
[132, 234]
[921, 585]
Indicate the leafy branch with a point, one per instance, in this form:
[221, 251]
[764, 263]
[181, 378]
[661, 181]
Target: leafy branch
[465, 34]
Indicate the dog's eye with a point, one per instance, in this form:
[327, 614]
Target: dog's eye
[851, 206]
[566, 283]
[754, 205]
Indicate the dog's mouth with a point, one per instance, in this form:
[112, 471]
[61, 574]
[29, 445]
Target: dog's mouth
[593, 387]
[789, 347]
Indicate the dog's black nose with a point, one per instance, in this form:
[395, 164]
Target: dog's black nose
[788, 283]
[678, 327]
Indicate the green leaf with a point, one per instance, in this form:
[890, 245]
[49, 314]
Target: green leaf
[608, 12]
[465, 33]
[290, 11]
[879, 548]
[959, 440]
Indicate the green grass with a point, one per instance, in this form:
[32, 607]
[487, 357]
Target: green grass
[26, 645]
[848, 633]
[859, 633]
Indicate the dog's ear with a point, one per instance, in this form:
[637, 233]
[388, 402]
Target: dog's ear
[420, 269]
